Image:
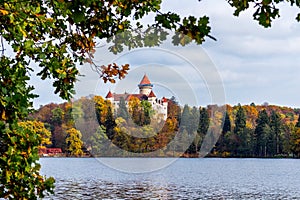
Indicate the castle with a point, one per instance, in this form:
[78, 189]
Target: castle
[160, 106]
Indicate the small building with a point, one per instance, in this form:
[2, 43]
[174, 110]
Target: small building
[50, 152]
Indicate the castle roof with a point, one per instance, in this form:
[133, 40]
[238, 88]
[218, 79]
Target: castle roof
[151, 94]
[164, 99]
[139, 96]
[126, 96]
[109, 95]
[145, 81]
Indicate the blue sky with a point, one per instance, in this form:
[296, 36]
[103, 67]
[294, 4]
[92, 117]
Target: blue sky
[254, 64]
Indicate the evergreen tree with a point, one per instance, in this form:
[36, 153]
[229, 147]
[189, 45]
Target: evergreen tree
[110, 123]
[298, 122]
[203, 121]
[239, 131]
[226, 124]
[240, 121]
[260, 134]
[295, 142]
[97, 142]
[185, 118]
[122, 110]
[145, 113]
[275, 136]
[194, 120]
[224, 141]
[203, 126]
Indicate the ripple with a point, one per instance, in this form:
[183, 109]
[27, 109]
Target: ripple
[185, 179]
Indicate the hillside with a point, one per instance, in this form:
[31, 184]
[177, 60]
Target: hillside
[239, 131]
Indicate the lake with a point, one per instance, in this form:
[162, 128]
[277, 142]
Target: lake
[203, 178]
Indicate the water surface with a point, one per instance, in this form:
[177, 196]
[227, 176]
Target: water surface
[205, 178]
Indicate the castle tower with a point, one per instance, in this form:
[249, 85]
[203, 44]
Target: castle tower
[110, 97]
[152, 97]
[164, 107]
[145, 86]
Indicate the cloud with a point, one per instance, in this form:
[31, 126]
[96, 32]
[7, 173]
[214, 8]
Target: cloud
[255, 64]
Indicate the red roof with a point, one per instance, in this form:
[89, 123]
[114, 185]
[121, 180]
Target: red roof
[145, 80]
[139, 96]
[164, 99]
[109, 95]
[126, 97]
[151, 94]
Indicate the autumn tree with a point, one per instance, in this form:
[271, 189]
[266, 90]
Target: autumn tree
[135, 110]
[74, 142]
[101, 109]
[19, 143]
[39, 129]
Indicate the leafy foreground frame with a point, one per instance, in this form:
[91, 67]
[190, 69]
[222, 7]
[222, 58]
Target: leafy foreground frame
[57, 35]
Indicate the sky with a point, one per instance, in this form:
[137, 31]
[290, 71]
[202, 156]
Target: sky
[247, 63]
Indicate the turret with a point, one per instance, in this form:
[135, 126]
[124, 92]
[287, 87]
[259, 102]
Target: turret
[145, 86]
[152, 97]
[110, 97]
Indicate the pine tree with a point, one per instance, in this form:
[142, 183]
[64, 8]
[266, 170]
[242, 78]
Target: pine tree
[298, 122]
[260, 134]
[240, 121]
[145, 113]
[185, 118]
[223, 144]
[239, 131]
[110, 123]
[275, 136]
[203, 121]
[194, 120]
[226, 124]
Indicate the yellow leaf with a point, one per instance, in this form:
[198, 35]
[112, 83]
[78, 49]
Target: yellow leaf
[3, 115]
[121, 26]
[23, 32]
[4, 12]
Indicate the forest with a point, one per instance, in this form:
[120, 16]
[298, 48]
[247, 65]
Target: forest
[90, 126]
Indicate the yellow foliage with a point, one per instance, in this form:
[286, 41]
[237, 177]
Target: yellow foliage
[133, 102]
[101, 105]
[74, 142]
[37, 127]
[4, 12]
